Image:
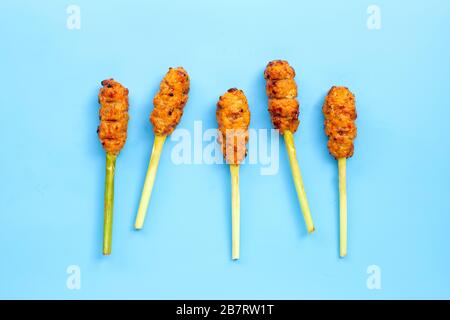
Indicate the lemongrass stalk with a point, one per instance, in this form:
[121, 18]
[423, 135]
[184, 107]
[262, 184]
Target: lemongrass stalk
[109, 203]
[342, 207]
[235, 211]
[149, 181]
[298, 182]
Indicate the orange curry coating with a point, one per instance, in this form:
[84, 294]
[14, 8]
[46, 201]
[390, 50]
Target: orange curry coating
[340, 115]
[112, 131]
[233, 117]
[282, 92]
[170, 101]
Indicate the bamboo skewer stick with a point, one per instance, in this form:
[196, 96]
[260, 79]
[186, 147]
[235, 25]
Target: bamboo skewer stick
[168, 108]
[109, 202]
[233, 118]
[235, 211]
[298, 181]
[284, 109]
[339, 111]
[149, 181]
[112, 132]
[342, 207]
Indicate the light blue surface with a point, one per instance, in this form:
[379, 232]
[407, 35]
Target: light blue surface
[52, 165]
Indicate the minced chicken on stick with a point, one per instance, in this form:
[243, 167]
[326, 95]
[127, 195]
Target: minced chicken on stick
[168, 104]
[281, 90]
[233, 117]
[340, 115]
[112, 131]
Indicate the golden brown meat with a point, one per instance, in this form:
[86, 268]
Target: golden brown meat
[112, 131]
[282, 92]
[340, 115]
[170, 101]
[233, 117]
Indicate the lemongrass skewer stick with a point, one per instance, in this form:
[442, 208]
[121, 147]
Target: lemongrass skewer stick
[109, 202]
[149, 180]
[235, 211]
[298, 181]
[342, 207]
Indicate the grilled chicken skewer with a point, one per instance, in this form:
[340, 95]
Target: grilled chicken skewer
[340, 115]
[233, 117]
[281, 90]
[112, 132]
[168, 104]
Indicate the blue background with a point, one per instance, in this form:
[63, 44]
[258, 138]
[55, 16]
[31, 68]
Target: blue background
[52, 165]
